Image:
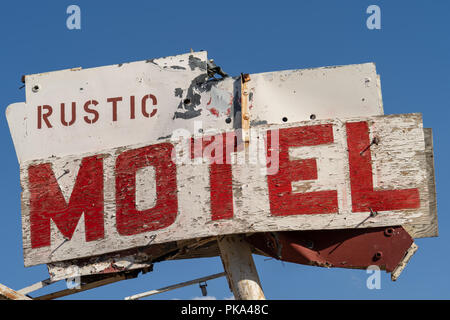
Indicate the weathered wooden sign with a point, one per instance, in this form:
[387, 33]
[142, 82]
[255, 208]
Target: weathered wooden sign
[323, 174]
[151, 152]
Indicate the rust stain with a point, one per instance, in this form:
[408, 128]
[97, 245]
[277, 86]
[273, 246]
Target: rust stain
[9, 294]
[214, 111]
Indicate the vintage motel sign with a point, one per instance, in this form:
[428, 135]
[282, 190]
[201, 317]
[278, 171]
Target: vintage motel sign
[118, 157]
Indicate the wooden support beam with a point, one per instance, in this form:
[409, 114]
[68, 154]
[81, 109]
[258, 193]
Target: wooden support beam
[175, 286]
[36, 286]
[84, 287]
[10, 294]
[401, 266]
[241, 271]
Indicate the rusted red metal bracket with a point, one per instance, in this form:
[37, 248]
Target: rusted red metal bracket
[389, 248]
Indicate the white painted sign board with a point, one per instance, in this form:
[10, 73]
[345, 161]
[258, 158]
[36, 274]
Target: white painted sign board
[120, 198]
[83, 110]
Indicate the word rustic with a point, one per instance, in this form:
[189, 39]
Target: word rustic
[45, 113]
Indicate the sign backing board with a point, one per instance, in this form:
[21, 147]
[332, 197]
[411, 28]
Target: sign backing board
[83, 110]
[316, 93]
[78, 110]
[329, 176]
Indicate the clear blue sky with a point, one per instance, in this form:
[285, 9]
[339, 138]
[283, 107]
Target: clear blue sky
[411, 52]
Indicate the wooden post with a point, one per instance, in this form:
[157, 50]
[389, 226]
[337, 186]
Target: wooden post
[10, 294]
[244, 109]
[240, 268]
[235, 252]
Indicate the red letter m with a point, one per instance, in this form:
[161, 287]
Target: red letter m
[47, 202]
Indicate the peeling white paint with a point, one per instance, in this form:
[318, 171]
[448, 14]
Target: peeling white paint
[400, 133]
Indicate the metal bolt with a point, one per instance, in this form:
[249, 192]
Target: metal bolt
[245, 77]
[378, 255]
[309, 244]
[373, 213]
[389, 232]
[36, 88]
[203, 288]
[375, 140]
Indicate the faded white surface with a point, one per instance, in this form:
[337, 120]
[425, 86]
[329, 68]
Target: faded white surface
[160, 77]
[344, 91]
[328, 92]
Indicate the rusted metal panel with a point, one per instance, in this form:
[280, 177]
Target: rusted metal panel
[339, 189]
[384, 247]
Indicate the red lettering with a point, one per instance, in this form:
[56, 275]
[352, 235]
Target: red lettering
[92, 111]
[131, 221]
[361, 180]
[47, 202]
[132, 107]
[44, 117]
[63, 115]
[282, 200]
[220, 174]
[114, 106]
[144, 108]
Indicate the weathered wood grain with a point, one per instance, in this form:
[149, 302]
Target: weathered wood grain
[133, 259]
[427, 225]
[10, 294]
[240, 268]
[397, 161]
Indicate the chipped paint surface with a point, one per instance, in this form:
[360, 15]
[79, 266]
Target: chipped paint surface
[133, 259]
[113, 106]
[108, 107]
[186, 206]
